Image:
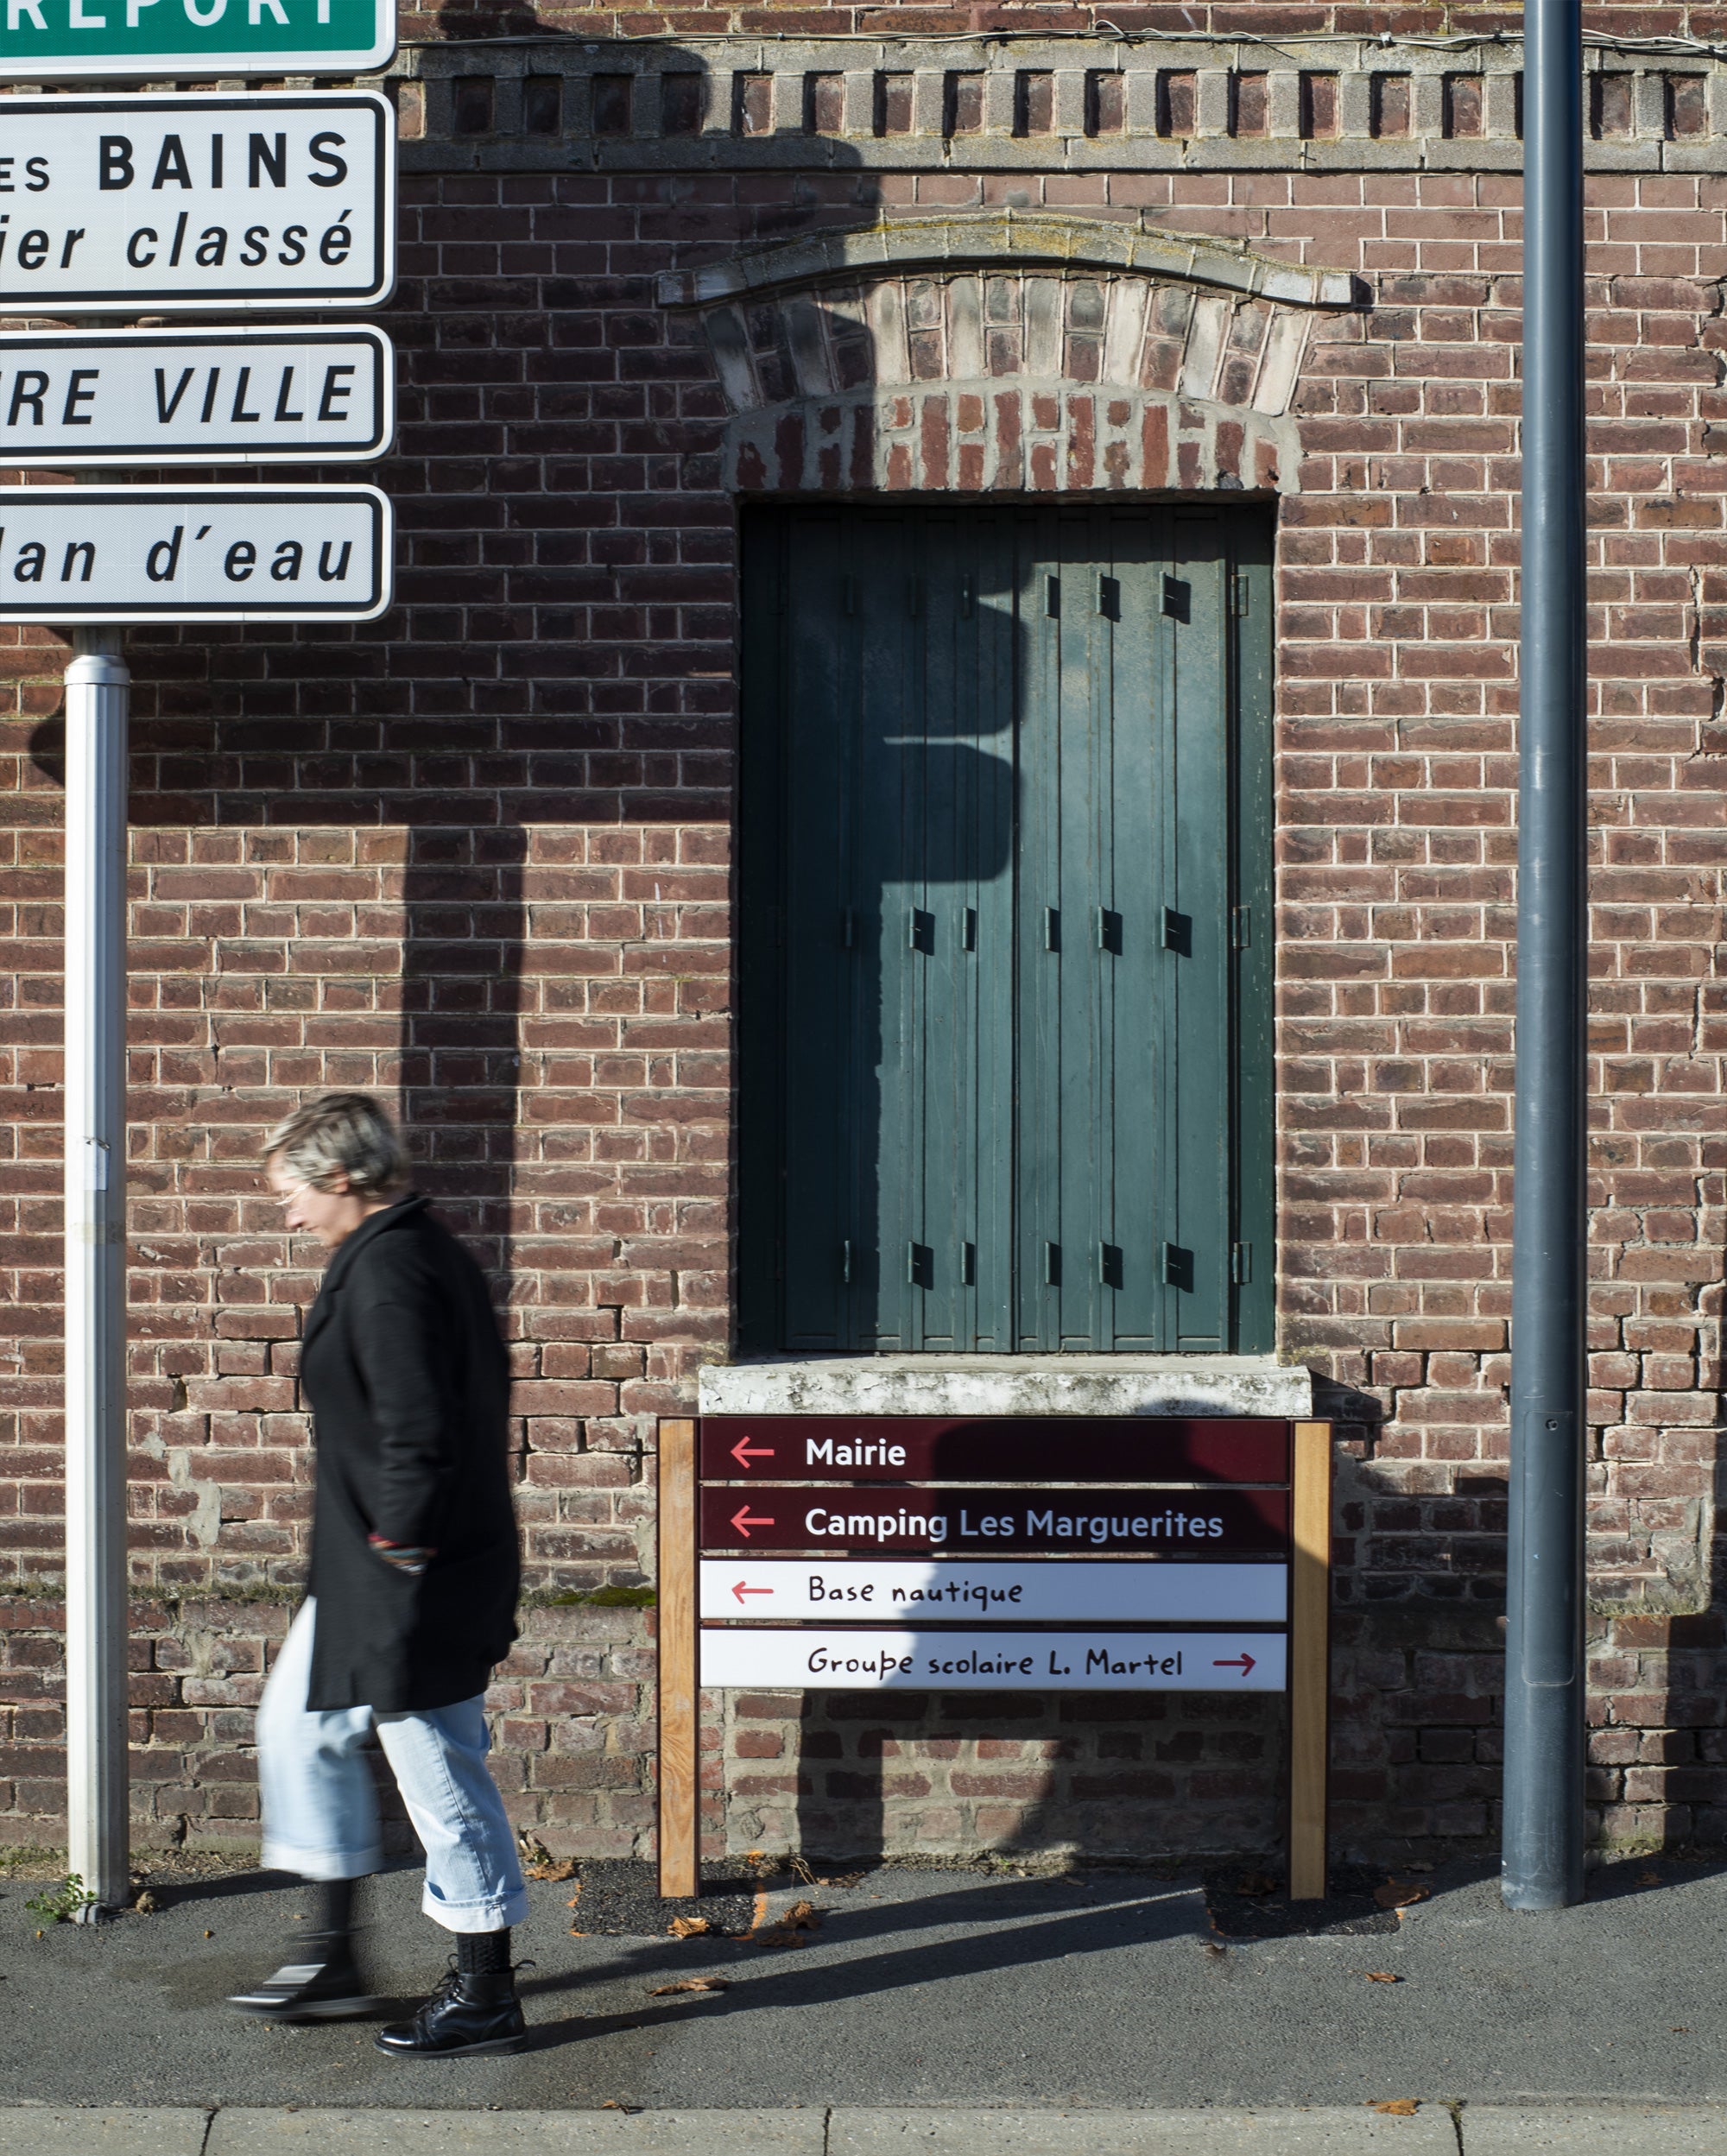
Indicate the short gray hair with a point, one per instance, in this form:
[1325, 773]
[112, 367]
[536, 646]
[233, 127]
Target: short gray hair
[341, 1134]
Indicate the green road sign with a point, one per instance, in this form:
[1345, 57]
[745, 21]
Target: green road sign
[43, 39]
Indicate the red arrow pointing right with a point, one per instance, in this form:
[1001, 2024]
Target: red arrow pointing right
[1243, 1662]
[744, 1519]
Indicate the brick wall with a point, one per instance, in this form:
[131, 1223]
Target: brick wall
[480, 853]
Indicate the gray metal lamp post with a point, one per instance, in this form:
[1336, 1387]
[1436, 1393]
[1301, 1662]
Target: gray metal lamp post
[1542, 1855]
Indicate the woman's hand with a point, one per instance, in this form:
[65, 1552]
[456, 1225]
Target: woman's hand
[406, 1557]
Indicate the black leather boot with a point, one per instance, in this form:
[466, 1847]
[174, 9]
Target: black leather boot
[467, 2014]
[324, 1985]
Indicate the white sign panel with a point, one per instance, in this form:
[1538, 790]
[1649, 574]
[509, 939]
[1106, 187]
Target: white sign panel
[196, 396]
[821, 1661]
[123, 205]
[194, 554]
[953, 1592]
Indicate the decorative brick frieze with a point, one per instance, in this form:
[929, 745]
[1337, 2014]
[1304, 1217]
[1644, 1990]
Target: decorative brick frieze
[1020, 103]
[846, 370]
[1035, 437]
[1091, 385]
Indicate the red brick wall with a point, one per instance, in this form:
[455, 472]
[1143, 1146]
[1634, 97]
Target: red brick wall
[480, 853]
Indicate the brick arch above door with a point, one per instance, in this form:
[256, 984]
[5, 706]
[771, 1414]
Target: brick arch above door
[996, 351]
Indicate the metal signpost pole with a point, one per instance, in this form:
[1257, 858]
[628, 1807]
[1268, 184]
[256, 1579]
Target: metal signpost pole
[1542, 1856]
[98, 697]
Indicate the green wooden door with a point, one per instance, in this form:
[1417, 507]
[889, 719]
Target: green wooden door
[995, 1000]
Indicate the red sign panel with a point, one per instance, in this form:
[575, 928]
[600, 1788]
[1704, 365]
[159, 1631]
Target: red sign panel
[991, 1448]
[1050, 1522]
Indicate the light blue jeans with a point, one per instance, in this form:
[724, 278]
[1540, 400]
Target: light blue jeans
[321, 1807]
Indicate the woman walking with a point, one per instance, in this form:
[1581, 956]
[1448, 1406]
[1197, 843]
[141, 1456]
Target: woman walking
[412, 1594]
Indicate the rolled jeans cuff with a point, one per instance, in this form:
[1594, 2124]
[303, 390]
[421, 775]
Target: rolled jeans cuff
[495, 1914]
[278, 1855]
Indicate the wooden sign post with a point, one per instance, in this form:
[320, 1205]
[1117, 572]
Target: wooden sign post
[1172, 1556]
[679, 1797]
[1310, 1658]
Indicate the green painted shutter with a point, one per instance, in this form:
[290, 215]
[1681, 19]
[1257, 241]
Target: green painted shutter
[988, 975]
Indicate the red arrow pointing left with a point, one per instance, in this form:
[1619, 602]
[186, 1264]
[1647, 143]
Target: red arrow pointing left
[744, 1453]
[1243, 1662]
[741, 1590]
[744, 1519]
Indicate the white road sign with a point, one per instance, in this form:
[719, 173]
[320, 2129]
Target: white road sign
[196, 396]
[194, 554]
[815, 1659]
[954, 1592]
[123, 205]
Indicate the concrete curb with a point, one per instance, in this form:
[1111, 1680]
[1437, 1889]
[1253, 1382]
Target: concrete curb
[1607, 2130]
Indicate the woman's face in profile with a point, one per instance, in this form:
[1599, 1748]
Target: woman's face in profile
[331, 1216]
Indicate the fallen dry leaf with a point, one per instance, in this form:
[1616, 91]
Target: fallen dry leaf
[1256, 1884]
[689, 1927]
[554, 1868]
[573, 1899]
[1648, 1879]
[690, 1983]
[209, 1935]
[1399, 1894]
[1399, 2107]
[575, 1934]
[1216, 1948]
[801, 1917]
[1382, 1976]
[146, 1904]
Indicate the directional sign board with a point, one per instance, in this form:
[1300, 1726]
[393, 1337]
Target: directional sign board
[1055, 1522]
[818, 1658]
[993, 1554]
[864, 1589]
[196, 396]
[992, 1448]
[194, 554]
[46, 40]
[126, 205]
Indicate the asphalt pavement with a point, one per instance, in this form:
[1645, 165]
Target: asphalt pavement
[1098, 2004]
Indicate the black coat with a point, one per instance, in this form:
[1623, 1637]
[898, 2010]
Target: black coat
[406, 1375]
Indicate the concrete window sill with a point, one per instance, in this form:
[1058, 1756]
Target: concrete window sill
[1006, 1385]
